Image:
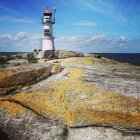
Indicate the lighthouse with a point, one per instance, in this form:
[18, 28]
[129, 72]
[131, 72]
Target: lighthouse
[48, 39]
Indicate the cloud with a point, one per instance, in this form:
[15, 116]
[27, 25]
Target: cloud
[101, 37]
[78, 41]
[87, 23]
[22, 20]
[20, 36]
[81, 40]
[6, 36]
[36, 37]
[17, 37]
[7, 10]
[19, 42]
[122, 38]
[13, 19]
[71, 39]
[96, 43]
[106, 8]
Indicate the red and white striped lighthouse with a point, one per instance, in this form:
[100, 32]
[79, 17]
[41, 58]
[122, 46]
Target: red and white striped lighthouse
[48, 38]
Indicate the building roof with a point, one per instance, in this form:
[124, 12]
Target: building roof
[48, 12]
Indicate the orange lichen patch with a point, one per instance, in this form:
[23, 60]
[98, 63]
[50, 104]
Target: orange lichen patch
[75, 102]
[76, 111]
[78, 60]
[5, 73]
[4, 76]
[105, 117]
[56, 69]
[12, 108]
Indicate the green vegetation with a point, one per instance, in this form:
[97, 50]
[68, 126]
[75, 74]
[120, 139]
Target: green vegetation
[31, 58]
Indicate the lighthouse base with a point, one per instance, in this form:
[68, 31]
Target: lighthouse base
[48, 43]
[45, 54]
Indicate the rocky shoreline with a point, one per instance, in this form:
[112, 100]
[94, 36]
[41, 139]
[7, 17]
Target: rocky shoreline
[74, 96]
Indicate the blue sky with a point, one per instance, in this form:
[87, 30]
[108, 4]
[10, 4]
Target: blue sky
[81, 25]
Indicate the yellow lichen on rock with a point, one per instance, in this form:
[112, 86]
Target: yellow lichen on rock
[76, 102]
[12, 108]
[78, 60]
[56, 69]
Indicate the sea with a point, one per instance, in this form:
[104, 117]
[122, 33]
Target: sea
[123, 57]
[10, 53]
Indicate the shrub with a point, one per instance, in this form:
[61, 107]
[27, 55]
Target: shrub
[19, 56]
[35, 50]
[3, 60]
[31, 58]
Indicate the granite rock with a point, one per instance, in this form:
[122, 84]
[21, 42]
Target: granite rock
[90, 98]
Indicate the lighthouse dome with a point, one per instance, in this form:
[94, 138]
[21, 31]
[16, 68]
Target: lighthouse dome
[48, 12]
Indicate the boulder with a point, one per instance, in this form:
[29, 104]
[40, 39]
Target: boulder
[12, 79]
[56, 69]
[17, 62]
[35, 54]
[19, 56]
[24, 55]
[89, 55]
[42, 60]
[40, 55]
[27, 125]
[67, 54]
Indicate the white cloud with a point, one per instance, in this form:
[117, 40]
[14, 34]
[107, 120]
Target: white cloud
[19, 42]
[85, 23]
[36, 37]
[20, 36]
[7, 10]
[71, 39]
[96, 43]
[123, 38]
[17, 37]
[13, 19]
[22, 20]
[75, 39]
[61, 39]
[81, 40]
[101, 37]
[6, 36]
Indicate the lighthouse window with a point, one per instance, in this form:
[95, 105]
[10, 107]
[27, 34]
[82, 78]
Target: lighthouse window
[47, 32]
[47, 17]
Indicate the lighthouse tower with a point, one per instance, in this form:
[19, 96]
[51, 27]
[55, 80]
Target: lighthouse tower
[48, 38]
